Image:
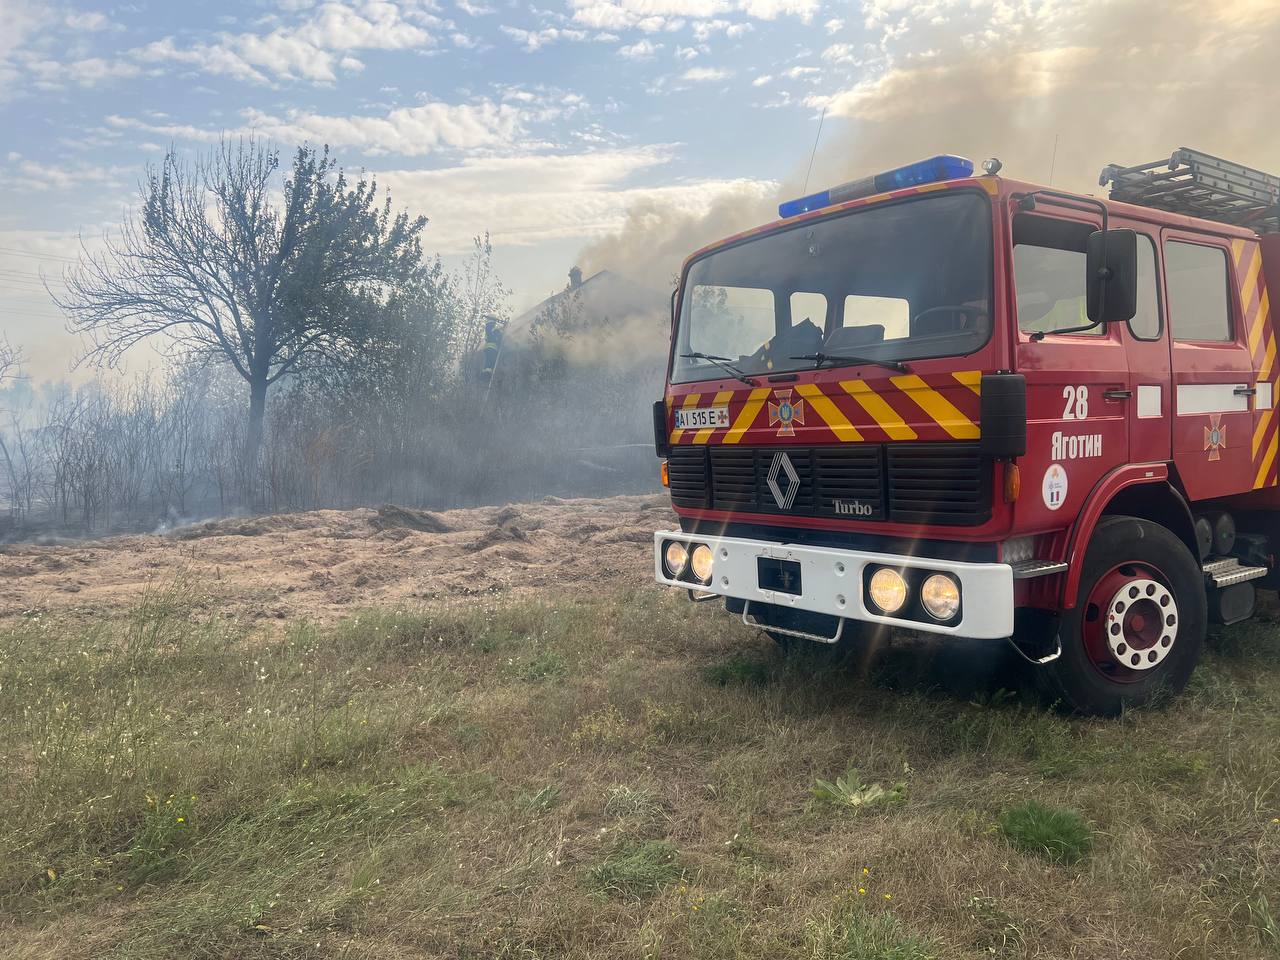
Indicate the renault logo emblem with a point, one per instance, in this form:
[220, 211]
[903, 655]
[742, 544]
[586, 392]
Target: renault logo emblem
[782, 465]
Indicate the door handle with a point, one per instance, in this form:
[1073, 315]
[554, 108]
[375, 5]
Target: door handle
[1245, 391]
[1116, 394]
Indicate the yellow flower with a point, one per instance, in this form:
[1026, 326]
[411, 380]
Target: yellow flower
[866, 871]
[182, 819]
[862, 891]
[888, 896]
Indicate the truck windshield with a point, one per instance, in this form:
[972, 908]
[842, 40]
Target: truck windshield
[895, 283]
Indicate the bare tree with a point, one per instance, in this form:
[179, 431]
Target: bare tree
[215, 267]
[10, 367]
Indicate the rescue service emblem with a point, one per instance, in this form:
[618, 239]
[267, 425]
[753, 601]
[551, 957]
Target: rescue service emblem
[1215, 437]
[785, 414]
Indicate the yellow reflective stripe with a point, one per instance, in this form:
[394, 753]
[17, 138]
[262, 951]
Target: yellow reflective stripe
[1264, 372]
[703, 435]
[1261, 431]
[823, 406]
[689, 401]
[1260, 479]
[747, 416]
[971, 379]
[937, 406]
[1249, 290]
[884, 415]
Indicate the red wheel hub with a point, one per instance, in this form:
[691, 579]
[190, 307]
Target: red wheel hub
[1130, 622]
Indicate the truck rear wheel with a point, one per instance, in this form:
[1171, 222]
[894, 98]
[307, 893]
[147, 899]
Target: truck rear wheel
[1138, 628]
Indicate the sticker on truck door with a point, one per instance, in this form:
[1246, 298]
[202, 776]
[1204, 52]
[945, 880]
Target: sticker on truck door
[701, 418]
[1054, 487]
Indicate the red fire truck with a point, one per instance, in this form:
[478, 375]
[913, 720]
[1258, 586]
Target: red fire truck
[976, 407]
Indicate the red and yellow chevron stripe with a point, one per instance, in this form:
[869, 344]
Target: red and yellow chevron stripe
[906, 407]
[1255, 308]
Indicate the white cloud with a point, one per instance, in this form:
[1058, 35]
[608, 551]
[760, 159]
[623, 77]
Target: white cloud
[834, 25]
[763, 80]
[798, 73]
[656, 14]
[473, 9]
[536, 198]
[686, 53]
[839, 53]
[86, 21]
[53, 75]
[536, 39]
[772, 9]
[738, 29]
[411, 131]
[312, 50]
[31, 175]
[640, 50]
[704, 74]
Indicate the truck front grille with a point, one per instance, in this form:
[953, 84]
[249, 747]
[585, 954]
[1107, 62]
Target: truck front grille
[920, 483]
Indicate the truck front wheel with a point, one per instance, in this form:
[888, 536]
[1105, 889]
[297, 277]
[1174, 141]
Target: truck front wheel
[1138, 628]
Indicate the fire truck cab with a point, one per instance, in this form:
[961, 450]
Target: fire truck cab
[977, 407]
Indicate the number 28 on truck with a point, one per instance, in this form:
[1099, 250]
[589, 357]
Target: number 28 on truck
[981, 408]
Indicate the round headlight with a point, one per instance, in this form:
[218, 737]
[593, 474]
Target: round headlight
[700, 562]
[940, 595]
[888, 590]
[676, 558]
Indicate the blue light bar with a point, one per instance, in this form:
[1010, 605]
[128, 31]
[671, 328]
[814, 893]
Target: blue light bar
[942, 167]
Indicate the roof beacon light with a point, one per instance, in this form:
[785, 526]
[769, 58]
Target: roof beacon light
[942, 167]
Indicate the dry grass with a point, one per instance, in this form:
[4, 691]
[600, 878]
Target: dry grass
[624, 777]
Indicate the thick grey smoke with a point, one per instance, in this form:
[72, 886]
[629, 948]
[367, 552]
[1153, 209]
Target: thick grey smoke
[1054, 88]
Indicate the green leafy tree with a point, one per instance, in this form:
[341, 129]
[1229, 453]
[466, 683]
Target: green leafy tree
[223, 261]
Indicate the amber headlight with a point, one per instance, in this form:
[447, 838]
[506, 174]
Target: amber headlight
[887, 590]
[940, 595]
[700, 562]
[675, 557]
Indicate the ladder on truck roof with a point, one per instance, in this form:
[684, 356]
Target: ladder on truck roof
[1200, 185]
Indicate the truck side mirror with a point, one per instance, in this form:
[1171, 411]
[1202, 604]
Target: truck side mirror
[1118, 273]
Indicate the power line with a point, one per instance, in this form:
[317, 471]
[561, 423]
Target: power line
[14, 251]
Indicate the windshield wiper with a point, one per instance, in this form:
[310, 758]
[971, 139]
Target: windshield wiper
[847, 360]
[723, 363]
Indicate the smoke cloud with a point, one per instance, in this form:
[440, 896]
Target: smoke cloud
[1054, 88]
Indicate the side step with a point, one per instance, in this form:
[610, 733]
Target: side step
[1229, 571]
[1026, 569]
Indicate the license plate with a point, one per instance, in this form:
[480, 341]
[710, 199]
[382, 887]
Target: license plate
[701, 418]
[780, 576]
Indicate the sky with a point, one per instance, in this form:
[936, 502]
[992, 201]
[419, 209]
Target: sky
[615, 133]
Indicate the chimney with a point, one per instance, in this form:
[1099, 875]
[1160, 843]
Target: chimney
[575, 278]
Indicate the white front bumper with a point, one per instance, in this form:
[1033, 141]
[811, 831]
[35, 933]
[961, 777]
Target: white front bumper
[832, 582]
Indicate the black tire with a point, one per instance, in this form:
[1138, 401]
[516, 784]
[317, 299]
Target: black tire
[1140, 587]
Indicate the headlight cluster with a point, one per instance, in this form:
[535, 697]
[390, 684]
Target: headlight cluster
[890, 592]
[682, 563]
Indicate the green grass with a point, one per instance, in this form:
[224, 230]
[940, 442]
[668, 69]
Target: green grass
[1058, 834]
[623, 776]
[638, 869]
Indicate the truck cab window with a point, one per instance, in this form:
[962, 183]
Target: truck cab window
[1049, 273]
[808, 306]
[730, 321]
[1145, 324]
[1197, 280]
[870, 320]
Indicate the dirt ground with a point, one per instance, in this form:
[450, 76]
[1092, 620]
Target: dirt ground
[320, 565]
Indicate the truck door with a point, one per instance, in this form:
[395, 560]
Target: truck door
[1147, 399]
[1213, 376]
[1077, 428]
